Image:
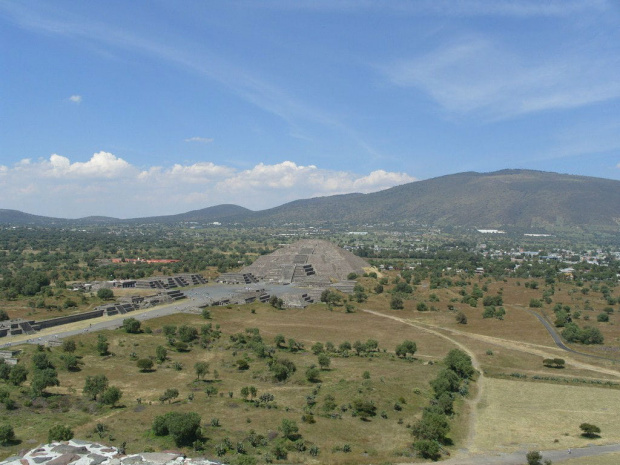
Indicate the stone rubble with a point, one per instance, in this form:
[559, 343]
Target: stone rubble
[77, 452]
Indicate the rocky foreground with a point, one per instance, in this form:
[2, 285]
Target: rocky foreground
[78, 452]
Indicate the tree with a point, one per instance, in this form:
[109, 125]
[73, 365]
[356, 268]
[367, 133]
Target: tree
[183, 427]
[40, 361]
[168, 395]
[131, 325]
[201, 369]
[317, 348]
[406, 347]
[589, 430]
[187, 333]
[364, 408]
[461, 318]
[42, 379]
[427, 449]
[95, 385]
[68, 345]
[59, 433]
[433, 427]
[3, 315]
[111, 396]
[161, 354]
[105, 293]
[460, 363]
[279, 340]
[102, 345]
[396, 303]
[312, 374]
[7, 435]
[324, 361]
[534, 457]
[289, 429]
[145, 364]
[18, 375]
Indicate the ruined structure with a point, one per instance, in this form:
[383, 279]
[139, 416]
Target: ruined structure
[310, 262]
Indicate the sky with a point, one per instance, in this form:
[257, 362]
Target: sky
[142, 108]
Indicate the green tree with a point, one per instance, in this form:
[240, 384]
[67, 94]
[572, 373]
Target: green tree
[68, 345]
[427, 449]
[183, 427]
[433, 427]
[396, 303]
[145, 364]
[105, 293]
[289, 429]
[59, 433]
[18, 375]
[161, 354]
[312, 374]
[131, 325]
[364, 408]
[460, 363]
[589, 430]
[168, 395]
[42, 379]
[324, 361]
[279, 340]
[95, 385]
[111, 396]
[7, 435]
[201, 369]
[102, 345]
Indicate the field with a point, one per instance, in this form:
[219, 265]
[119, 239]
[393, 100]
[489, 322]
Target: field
[515, 403]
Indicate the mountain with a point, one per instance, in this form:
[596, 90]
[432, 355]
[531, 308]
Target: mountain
[218, 213]
[502, 199]
[507, 198]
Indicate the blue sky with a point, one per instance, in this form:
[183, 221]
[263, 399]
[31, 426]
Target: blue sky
[143, 108]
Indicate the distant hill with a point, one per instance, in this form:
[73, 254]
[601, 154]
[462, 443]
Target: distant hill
[218, 213]
[501, 199]
[508, 198]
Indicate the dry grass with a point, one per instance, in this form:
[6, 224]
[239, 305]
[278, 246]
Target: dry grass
[372, 441]
[515, 415]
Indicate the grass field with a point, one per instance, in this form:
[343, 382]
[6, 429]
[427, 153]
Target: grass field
[515, 415]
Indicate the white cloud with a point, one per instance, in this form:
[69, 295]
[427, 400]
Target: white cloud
[108, 185]
[101, 165]
[76, 99]
[204, 140]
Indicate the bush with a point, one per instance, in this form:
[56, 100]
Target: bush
[183, 427]
[131, 325]
[461, 318]
[59, 433]
[396, 303]
[7, 435]
[105, 293]
[589, 430]
[145, 364]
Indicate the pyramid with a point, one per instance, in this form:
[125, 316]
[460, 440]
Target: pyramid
[309, 261]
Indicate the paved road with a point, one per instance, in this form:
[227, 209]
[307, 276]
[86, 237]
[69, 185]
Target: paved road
[558, 340]
[196, 297]
[518, 458]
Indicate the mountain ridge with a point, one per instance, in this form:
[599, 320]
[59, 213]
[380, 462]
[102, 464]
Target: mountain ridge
[506, 198]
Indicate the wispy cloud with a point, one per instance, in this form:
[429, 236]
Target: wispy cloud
[238, 79]
[477, 75]
[510, 8]
[76, 99]
[204, 140]
[58, 186]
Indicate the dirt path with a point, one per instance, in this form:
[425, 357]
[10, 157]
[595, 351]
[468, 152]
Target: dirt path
[464, 456]
[480, 382]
